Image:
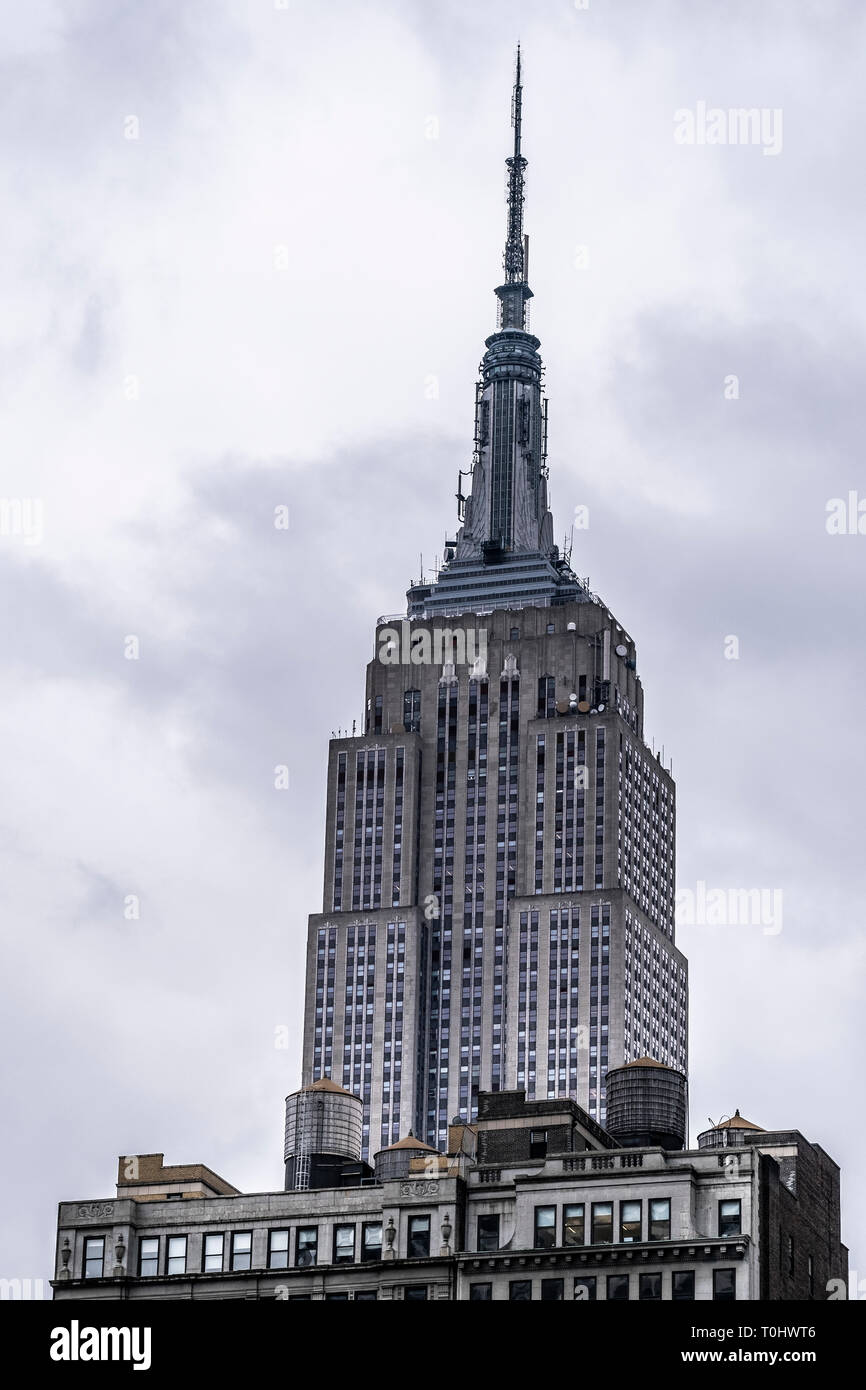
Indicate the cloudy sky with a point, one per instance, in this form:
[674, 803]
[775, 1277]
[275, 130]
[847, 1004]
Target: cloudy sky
[247, 260]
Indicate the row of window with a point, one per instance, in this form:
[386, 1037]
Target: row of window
[618, 1288]
[630, 1227]
[170, 1254]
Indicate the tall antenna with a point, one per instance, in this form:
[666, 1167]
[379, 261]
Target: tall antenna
[515, 249]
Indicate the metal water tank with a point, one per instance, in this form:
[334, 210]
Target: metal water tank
[323, 1121]
[647, 1105]
[394, 1161]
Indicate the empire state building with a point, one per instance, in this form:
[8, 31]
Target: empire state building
[499, 849]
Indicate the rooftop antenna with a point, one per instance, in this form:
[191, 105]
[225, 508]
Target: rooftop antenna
[515, 247]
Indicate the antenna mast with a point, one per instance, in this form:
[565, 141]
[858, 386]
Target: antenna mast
[515, 248]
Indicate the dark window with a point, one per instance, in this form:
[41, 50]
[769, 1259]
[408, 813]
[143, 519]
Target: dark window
[306, 1245]
[242, 1249]
[488, 1233]
[480, 1293]
[660, 1219]
[683, 1284]
[371, 1241]
[94, 1257]
[176, 1258]
[419, 1237]
[337, 1297]
[573, 1223]
[213, 1254]
[552, 1290]
[545, 1228]
[617, 1288]
[602, 1223]
[650, 1286]
[515, 634]
[538, 1143]
[278, 1250]
[630, 1221]
[415, 1293]
[174, 1196]
[725, 1285]
[148, 1256]
[366, 1296]
[730, 1218]
[412, 711]
[344, 1245]
[584, 1288]
[520, 1290]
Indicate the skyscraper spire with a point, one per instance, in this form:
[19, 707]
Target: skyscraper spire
[514, 260]
[515, 292]
[504, 554]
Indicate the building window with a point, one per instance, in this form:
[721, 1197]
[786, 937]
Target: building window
[278, 1250]
[552, 1290]
[538, 1143]
[573, 1225]
[242, 1250]
[366, 1296]
[730, 1218]
[306, 1245]
[617, 1288]
[176, 1260]
[660, 1219]
[415, 1293]
[515, 634]
[585, 1288]
[630, 1221]
[650, 1287]
[683, 1285]
[488, 1233]
[419, 1237]
[724, 1285]
[148, 1257]
[213, 1254]
[520, 1291]
[337, 1297]
[480, 1293]
[371, 1240]
[412, 711]
[344, 1245]
[545, 1228]
[602, 1223]
[94, 1257]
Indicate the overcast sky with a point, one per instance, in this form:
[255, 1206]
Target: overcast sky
[248, 256]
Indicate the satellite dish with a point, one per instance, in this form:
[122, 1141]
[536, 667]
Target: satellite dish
[562, 707]
[601, 709]
[583, 706]
[621, 650]
[572, 627]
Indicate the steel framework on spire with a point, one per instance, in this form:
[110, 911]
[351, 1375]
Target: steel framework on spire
[514, 260]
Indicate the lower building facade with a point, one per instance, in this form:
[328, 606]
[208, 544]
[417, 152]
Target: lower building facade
[535, 1202]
